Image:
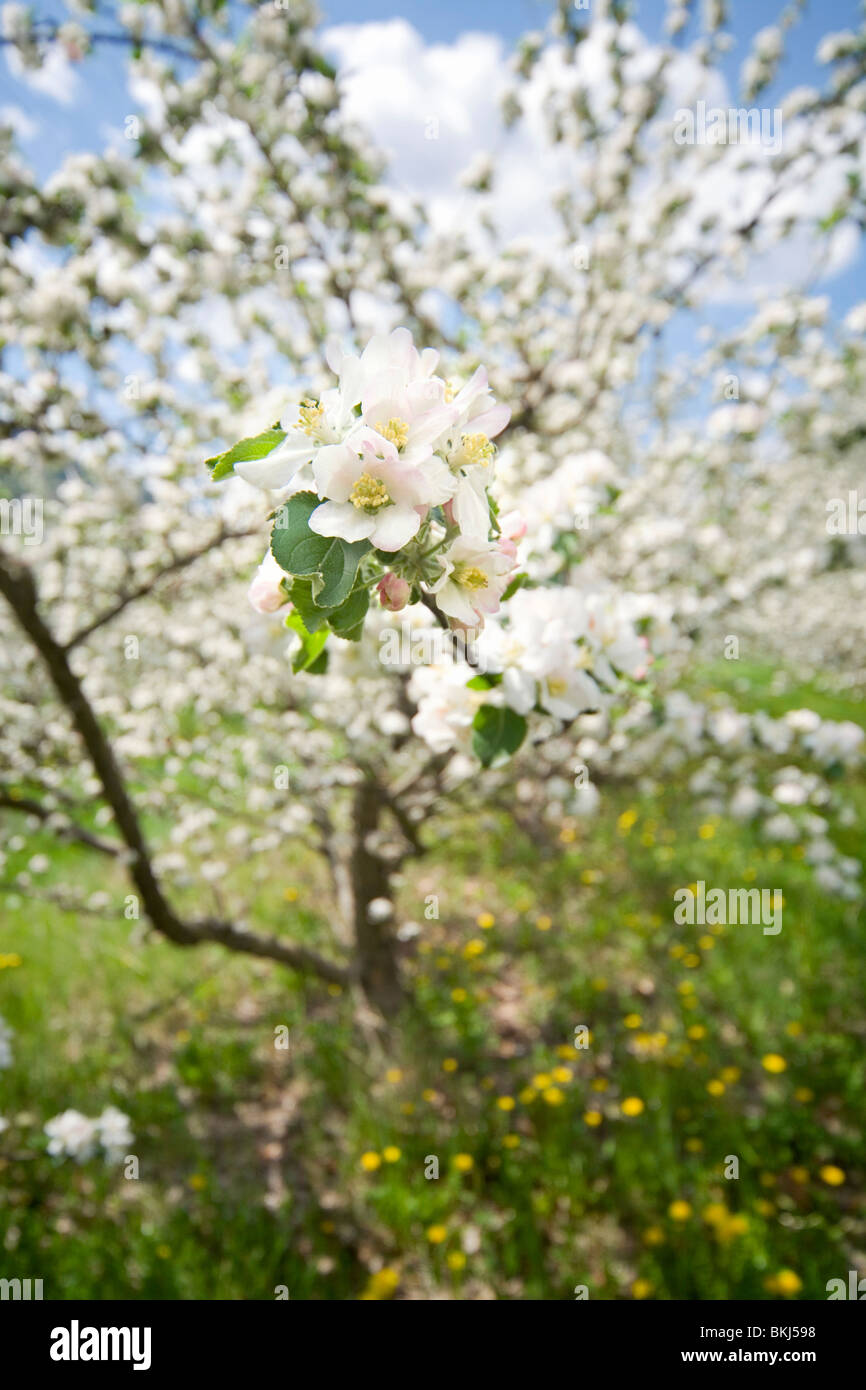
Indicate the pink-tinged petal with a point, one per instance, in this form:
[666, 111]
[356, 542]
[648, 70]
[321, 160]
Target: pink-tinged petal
[341, 519]
[452, 601]
[471, 509]
[375, 446]
[476, 384]
[490, 422]
[336, 470]
[425, 428]
[394, 526]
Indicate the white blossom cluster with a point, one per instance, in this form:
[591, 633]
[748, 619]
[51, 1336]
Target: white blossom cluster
[73, 1135]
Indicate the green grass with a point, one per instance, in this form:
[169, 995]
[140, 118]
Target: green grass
[250, 1171]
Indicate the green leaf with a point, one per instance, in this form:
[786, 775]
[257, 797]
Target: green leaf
[331, 562]
[312, 655]
[348, 620]
[498, 732]
[338, 569]
[256, 447]
[302, 597]
[517, 583]
[484, 682]
[292, 526]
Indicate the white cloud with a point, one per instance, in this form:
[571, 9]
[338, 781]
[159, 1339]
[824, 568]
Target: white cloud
[56, 78]
[23, 125]
[435, 110]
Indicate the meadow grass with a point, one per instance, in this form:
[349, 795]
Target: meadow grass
[560, 1166]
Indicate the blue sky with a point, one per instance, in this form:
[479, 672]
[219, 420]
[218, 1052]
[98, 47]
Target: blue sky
[101, 101]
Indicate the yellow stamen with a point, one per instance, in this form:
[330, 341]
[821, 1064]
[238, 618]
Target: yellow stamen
[369, 494]
[556, 685]
[396, 432]
[470, 577]
[309, 416]
[477, 449]
[449, 392]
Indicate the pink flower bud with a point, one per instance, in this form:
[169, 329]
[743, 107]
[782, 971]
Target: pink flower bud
[265, 593]
[393, 592]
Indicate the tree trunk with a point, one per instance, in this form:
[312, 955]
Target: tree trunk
[371, 878]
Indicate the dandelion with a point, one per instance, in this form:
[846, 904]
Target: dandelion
[485, 920]
[456, 1260]
[505, 1102]
[831, 1175]
[436, 1234]
[632, 1105]
[449, 1064]
[593, 1118]
[370, 1161]
[786, 1282]
[679, 1211]
[553, 1096]
[773, 1063]
[464, 1163]
[641, 1288]
[391, 1154]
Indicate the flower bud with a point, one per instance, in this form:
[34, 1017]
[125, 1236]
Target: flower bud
[265, 593]
[393, 592]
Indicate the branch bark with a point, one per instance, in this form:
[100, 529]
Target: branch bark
[19, 590]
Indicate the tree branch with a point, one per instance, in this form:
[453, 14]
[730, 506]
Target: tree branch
[175, 565]
[67, 831]
[19, 590]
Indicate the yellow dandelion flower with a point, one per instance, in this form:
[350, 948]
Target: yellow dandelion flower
[679, 1210]
[506, 1102]
[786, 1282]
[716, 1088]
[391, 1154]
[553, 1096]
[541, 1081]
[485, 920]
[393, 1075]
[459, 996]
[474, 948]
[654, 1235]
[450, 1064]
[370, 1161]
[562, 1074]
[632, 1020]
[641, 1288]
[830, 1174]
[455, 1259]
[463, 1162]
[511, 1141]
[773, 1063]
[436, 1234]
[593, 1118]
[632, 1105]
[543, 923]
[527, 1095]
[804, 1094]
